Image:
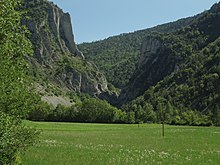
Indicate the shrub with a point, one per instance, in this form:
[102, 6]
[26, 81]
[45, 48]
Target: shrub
[14, 138]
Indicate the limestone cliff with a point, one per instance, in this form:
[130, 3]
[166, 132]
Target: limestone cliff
[156, 62]
[60, 25]
[83, 78]
[57, 59]
[51, 31]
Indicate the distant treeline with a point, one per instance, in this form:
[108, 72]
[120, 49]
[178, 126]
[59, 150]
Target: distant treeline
[89, 110]
[98, 111]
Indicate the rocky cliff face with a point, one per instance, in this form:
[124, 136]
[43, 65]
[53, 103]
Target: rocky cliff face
[57, 58]
[156, 62]
[60, 25]
[51, 31]
[89, 81]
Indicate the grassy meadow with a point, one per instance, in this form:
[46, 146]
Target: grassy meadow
[103, 144]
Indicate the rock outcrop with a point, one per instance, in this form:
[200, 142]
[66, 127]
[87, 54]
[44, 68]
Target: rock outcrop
[91, 82]
[56, 57]
[156, 62]
[60, 25]
[51, 31]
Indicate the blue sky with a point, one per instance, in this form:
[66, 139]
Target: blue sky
[98, 19]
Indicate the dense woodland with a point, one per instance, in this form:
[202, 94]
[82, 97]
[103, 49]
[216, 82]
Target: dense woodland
[117, 57]
[189, 92]
[190, 95]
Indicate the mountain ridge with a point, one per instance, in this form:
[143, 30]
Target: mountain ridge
[159, 70]
[112, 53]
[155, 70]
[57, 65]
[192, 89]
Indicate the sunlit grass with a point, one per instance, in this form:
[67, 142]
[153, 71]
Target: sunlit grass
[66, 143]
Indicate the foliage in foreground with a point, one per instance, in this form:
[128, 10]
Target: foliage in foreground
[14, 138]
[15, 98]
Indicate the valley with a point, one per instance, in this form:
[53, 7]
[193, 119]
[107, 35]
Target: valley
[170, 70]
[104, 102]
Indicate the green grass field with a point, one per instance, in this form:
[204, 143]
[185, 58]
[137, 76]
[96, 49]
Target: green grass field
[102, 144]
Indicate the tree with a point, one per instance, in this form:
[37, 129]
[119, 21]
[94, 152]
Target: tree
[130, 118]
[161, 112]
[40, 112]
[168, 112]
[15, 97]
[149, 115]
[216, 115]
[14, 46]
[14, 138]
[96, 110]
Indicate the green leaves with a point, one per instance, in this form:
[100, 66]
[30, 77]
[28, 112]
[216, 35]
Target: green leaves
[14, 46]
[14, 138]
[15, 96]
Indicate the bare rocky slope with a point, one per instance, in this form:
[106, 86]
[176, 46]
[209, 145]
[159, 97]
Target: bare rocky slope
[58, 65]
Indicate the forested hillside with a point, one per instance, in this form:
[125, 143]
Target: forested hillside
[171, 65]
[190, 94]
[163, 54]
[118, 56]
[174, 65]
